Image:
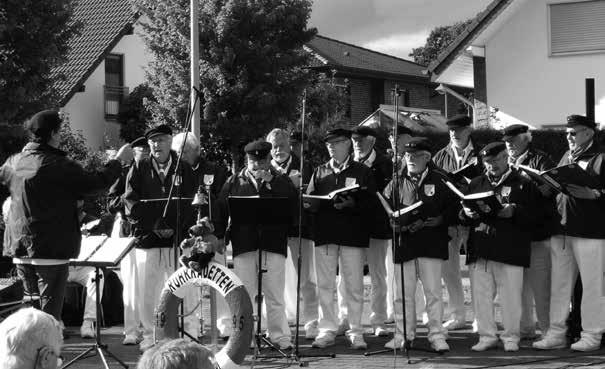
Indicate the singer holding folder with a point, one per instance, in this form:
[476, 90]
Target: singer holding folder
[259, 179]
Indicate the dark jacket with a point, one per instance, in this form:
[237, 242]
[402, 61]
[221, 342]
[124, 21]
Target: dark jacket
[115, 200]
[246, 237]
[348, 226]
[44, 186]
[219, 176]
[505, 240]
[307, 217]
[438, 199]
[546, 224]
[581, 217]
[382, 170]
[143, 183]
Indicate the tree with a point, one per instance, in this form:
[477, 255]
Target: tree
[327, 103]
[251, 63]
[134, 114]
[439, 39]
[34, 39]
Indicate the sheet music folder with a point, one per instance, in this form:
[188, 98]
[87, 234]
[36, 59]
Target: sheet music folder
[255, 210]
[102, 251]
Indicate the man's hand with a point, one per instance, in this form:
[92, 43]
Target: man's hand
[470, 212]
[125, 154]
[581, 192]
[416, 226]
[507, 211]
[264, 175]
[296, 178]
[545, 190]
[433, 221]
[344, 202]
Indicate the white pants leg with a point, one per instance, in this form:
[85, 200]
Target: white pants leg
[376, 255]
[154, 266]
[563, 278]
[390, 272]
[245, 266]
[590, 258]
[128, 272]
[536, 288]
[429, 272]
[451, 272]
[84, 276]
[224, 321]
[409, 284]
[509, 282]
[340, 292]
[484, 290]
[290, 283]
[326, 260]
[308, 281]
[351, 261]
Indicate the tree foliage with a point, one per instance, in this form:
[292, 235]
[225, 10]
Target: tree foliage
[439, 39]
[251, 63]
[34, 39]
[134, 114]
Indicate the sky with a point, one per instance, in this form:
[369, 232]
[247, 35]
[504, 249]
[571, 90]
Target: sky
[390, 26]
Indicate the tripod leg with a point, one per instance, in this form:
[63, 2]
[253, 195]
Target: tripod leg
[114, 357]
[100, 352]
[79, 357]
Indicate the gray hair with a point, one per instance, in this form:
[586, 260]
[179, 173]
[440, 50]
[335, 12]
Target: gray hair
[177, 354]
[24, 333]
[192, 142]
[278, 133]
[527, 137]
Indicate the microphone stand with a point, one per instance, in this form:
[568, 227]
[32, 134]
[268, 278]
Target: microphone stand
[296, 355]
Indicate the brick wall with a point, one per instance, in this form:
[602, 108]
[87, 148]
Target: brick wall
[361, 99]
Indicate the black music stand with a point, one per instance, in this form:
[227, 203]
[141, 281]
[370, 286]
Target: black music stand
[100, 252]
[261, 212]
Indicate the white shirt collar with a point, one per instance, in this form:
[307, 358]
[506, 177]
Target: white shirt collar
[460, 160]
[277, 166]
[164, 170]
[345, 165]
[369, 159]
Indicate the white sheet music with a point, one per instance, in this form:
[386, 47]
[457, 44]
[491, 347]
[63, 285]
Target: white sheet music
[89, 245]
[103, 250]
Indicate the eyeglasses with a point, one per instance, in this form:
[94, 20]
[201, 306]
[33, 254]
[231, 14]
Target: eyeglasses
[574, 133]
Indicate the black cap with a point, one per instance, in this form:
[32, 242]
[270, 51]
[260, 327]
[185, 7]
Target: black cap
[459, 121]
[492, 149]
[258, 149]
[417, 144]
[162, 129]
[513, 130]
[402, 130]
[139, 142]
[580, 120]
[43, 123]
[337, 132]
[364, 131]
[297, 136]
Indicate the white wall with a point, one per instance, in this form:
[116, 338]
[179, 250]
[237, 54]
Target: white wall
[526, 83]
[86, 109]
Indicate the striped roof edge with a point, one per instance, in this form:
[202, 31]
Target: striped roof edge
[104, 23]
[481, 21]
[334, 53]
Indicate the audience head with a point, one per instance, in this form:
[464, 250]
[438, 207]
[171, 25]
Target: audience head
[160, 141]
[191, 149]
[45, 127]
[177, 354]
[30, 338]
[338, 143]
[363, 138]
[460, 130]
[280, 144]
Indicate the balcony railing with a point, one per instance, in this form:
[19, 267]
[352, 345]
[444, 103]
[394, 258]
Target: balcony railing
[113, 96]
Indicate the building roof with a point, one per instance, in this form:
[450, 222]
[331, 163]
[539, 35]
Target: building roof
[104, 23]
[459, 45]
[343, 56]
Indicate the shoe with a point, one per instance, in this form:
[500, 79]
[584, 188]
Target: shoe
[396, 343]
[284, 343]
[511, 346]
[323, 341]
[454, 324]
[311, 331]
[343, 327]
[484, 345]
[586, 345]
[87, 330]
[146, 344]
[357, 342]
[550, 343]
[131, 340]
[439, 345]
[381, 332]
[528, 335]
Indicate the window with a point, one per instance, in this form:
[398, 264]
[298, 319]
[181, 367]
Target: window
[114, 90]
[577, 27]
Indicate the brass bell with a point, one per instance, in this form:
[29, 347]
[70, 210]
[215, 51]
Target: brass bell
[199, 199]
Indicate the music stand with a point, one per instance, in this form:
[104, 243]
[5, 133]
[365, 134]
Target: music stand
[100, 252]
[259, 212]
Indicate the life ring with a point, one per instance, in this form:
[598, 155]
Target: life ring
[230, 287]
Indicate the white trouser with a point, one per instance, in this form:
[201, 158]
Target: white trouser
[451, 272]
[128, 275]
[390, 271]
[153, 267]
[491, 277]
[536, 288]
[191, 299]
[84, 276]
[376, 255]
[428, 271]
[245, 266]
[568, 254]
[350, 262]
[308, 283]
